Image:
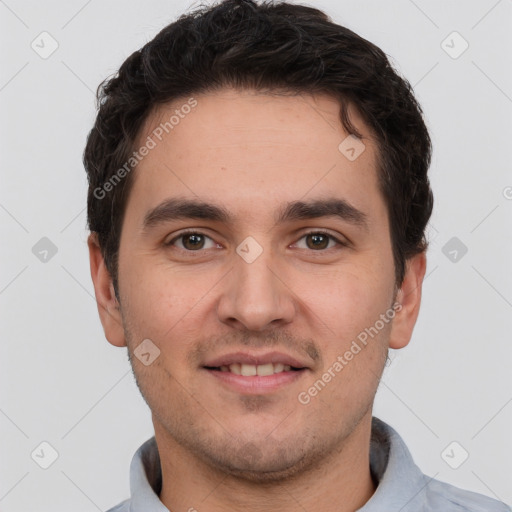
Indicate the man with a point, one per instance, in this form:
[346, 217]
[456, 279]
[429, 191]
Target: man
[258, 197]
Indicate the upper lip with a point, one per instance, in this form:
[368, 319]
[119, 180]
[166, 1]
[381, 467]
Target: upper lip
[255, 359]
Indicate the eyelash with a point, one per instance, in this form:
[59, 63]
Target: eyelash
[315, 232]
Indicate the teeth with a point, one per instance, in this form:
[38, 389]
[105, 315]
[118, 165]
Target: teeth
[265, 369]
[235, 368]
[250, 370]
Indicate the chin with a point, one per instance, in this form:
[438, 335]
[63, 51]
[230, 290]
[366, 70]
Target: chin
[267, 460]
[256, 467]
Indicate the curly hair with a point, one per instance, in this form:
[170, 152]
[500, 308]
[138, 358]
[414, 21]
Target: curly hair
[266, 46]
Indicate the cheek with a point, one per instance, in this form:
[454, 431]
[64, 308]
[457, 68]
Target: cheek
[355, 339]
[346, 300]
[165, 305]
[355, 346]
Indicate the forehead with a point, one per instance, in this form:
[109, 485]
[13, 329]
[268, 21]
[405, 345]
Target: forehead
[244, 114]
[250, 148]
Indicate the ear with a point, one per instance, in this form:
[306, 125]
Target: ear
[106, 300]
[409, 296]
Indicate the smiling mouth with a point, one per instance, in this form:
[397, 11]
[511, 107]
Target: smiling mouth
[251, 370]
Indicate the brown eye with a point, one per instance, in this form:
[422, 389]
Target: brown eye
[192, 241]
[318, 240]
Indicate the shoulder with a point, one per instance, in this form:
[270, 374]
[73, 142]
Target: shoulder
[403, 486]
[453, 499]
[122, 507]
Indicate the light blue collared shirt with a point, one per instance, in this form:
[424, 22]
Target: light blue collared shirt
[402, 487]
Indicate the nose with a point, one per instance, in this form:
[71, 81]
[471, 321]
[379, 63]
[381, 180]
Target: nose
[255, 297]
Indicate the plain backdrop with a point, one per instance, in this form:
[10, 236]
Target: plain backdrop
[63, 384]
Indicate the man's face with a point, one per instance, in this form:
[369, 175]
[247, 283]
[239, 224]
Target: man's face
[286, 295]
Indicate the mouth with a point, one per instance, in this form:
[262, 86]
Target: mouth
[250, 370]
[255, 374]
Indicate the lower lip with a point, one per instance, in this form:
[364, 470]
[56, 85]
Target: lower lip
[256, 384]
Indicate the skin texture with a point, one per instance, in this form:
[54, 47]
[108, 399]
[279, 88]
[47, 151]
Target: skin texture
[251, 153]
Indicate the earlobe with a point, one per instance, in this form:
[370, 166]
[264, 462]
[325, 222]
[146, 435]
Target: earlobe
[409, 298]
[106, 300]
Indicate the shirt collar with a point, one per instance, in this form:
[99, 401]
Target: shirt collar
[401, 484]
[146, 479]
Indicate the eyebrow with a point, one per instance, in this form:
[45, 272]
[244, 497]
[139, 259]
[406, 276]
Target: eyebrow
[179, 209]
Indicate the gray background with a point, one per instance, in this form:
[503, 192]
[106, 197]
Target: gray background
[61, 381]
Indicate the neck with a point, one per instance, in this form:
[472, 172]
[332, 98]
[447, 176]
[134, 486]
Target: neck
[340, 483]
